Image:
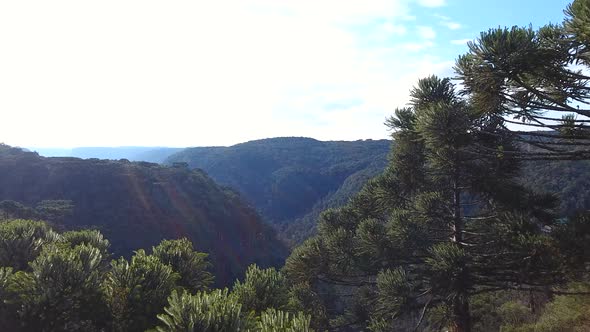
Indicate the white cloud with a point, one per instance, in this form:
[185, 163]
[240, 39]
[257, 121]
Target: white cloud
[379, 35]
[329, 10]
[460, 41]
[452, 25]
[432, 3]
[395, 29]
[426, 32]
[186, 72]
[415, 47]
[442, 17]
[448, 22]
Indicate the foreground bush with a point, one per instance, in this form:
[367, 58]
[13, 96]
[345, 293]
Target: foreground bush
[203, 312]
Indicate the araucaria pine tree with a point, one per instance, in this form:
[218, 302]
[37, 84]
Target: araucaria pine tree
[537, 79]
[444, 222]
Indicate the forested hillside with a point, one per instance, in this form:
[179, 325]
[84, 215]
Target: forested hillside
[567, 179]
[138, 204]
[132, 153]
[290, 180]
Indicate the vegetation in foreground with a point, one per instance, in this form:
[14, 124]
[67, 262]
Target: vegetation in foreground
[67, 281]
[448, 229]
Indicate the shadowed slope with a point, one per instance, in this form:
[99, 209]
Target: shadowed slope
[291, 179]
[138, 204]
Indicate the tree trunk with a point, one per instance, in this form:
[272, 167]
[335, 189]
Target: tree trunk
[461, 317]
[461, 320]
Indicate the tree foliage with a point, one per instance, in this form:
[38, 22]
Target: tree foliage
[92, 238]
[217, 311]
[273, 320]
[21, 241]
[62, 291]
[444, 221]
[67, 285]
[262, 289]
[537, 79]
[192, 266]
[137, 291]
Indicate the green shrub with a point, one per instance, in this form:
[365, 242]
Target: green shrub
[203, 312]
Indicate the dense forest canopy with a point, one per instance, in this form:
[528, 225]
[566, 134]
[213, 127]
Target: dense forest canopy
[290, 180]
[52, 281]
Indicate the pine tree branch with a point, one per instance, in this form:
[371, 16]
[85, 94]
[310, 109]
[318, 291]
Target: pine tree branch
[481, 218]
[540, 144]
[553, 119]
[542, 96]
[340, 281]
[540, 134]
[524, 156]
[545, 125]
[535, 106]
[530, 289]
[422, 314]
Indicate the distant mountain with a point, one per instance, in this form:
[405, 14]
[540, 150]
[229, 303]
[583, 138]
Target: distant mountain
[291, 180]
[51, 152]
[137, 204]
[569, 180]
[132, 153]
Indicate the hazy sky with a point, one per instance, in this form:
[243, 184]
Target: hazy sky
[219, 72]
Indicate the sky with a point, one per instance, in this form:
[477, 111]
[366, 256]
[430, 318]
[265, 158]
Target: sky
[220, 72]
